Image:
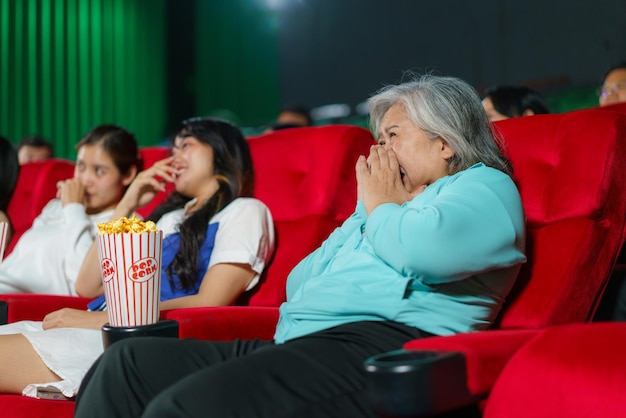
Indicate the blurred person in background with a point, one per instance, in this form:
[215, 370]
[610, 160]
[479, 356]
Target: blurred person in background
[295, 116]
[504, 102]
[34, 148]
[613, 88]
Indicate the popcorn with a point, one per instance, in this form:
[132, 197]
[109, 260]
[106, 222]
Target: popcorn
[127, 225]
[130, 252]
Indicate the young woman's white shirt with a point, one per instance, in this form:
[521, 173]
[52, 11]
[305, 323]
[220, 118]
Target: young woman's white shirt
[48, 256]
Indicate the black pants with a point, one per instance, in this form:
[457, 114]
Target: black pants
[320, 375]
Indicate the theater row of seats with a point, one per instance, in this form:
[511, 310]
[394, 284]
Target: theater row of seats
[569, 169]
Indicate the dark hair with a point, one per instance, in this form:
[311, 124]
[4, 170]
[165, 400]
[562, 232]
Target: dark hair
[513, 101]
[232, 165]
[119, 143]
[619, 66]
[9, 170]
[37, 142]
[299, 110]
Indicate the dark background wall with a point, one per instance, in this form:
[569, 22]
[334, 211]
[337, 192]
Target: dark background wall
[67, 65]
[342, 50]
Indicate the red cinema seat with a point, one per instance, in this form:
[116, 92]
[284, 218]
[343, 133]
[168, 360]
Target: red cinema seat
[36, 186]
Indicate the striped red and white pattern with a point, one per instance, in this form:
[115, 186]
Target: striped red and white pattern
[4, 232]
[131, 275]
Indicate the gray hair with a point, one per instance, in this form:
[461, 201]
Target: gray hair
[447, 108]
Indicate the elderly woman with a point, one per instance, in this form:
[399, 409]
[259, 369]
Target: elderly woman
[433, 248]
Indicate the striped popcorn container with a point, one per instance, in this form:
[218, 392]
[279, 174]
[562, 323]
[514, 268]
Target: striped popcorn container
[4, 233]
[131, 275]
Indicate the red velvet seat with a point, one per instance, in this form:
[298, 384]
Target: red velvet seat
[307, 179]
[574, 371]
[149, 156]
[36, 186]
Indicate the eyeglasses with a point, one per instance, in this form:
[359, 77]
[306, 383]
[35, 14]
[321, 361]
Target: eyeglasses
[606, 91]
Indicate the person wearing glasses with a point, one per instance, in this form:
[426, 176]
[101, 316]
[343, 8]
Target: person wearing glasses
[613, 88]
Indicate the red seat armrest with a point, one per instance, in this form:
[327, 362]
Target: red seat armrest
[34, 307]
[225, 323]
[486, 353]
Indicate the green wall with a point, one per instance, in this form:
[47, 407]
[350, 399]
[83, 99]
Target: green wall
[237, 60]
[68, 65]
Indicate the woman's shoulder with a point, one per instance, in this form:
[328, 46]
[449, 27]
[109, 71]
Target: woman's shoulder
[480, 173]
[243, 206]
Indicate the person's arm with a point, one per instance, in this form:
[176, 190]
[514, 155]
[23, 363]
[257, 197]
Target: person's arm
[89, 279]
[9, 232]
[471, 224]
[221, 286]
[75, 318]
[79, 237]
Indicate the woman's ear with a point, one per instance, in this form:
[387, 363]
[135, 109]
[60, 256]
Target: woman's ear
[447, 151]
[130, 175]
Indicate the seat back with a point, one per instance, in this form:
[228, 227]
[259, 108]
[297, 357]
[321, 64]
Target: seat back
[570, 172]
[306, 177]
[149, 156]
[36, 185]
[617, 107]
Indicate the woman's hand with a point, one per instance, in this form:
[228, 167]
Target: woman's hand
[70, 191]
[147, 184]
[378, 179]
[75, 318]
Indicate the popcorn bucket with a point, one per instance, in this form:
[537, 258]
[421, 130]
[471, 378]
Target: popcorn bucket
[4, 234]
[131, 276]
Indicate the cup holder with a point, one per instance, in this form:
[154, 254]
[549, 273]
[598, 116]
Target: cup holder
[163, 328]
[412, 383]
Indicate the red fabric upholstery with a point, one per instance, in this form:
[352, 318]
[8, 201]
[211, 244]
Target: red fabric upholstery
[17, 406]
[149, 156]
[225, 323]
[36, 185]
[306, 177]
[573, 371]
[486, 353]
[34, 307]
[617, 107]
[569, 169]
